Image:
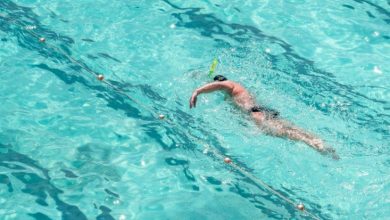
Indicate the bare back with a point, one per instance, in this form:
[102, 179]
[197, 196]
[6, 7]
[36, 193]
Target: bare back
[241, 96]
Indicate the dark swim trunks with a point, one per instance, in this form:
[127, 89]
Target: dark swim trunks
[267, 111]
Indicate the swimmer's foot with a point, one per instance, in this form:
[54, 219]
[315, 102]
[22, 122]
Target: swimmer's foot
[331, 152]
[320, 146]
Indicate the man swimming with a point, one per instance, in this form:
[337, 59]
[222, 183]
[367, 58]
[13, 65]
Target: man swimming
[266, 119]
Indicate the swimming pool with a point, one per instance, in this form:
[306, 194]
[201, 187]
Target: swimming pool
[73, 147]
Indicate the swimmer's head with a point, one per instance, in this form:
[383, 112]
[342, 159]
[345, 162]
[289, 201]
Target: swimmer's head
[219, 78]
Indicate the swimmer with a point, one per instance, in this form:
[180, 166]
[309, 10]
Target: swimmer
[266, 119]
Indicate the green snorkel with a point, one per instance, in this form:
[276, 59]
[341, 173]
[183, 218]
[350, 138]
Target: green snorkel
[213, 67]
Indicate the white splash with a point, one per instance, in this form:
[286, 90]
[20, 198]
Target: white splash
[377, 70]
[31, 27]
[116, 202]
[172, 26]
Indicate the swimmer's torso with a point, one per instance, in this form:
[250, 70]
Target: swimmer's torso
[241, 96]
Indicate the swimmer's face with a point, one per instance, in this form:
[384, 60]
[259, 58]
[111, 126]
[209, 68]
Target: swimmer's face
[220, 78]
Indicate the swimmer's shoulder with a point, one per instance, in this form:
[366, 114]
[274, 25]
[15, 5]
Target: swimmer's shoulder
[235, 88]
[229, 84]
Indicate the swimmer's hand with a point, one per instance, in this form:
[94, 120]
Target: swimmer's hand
[193, 99]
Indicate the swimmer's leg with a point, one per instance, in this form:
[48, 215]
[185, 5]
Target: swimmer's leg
[280, 128]
[283, 129]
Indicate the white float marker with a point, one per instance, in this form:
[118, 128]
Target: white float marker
[227, 160]
[100, 77]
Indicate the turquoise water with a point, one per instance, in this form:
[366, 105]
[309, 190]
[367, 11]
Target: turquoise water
[72, 147]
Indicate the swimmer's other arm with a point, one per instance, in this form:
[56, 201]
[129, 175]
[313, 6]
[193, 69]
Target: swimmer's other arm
[211, 87]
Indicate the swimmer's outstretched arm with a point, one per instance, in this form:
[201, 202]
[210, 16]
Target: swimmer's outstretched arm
[210, 87]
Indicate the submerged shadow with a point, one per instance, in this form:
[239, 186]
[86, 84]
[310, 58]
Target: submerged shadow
[38, 185]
